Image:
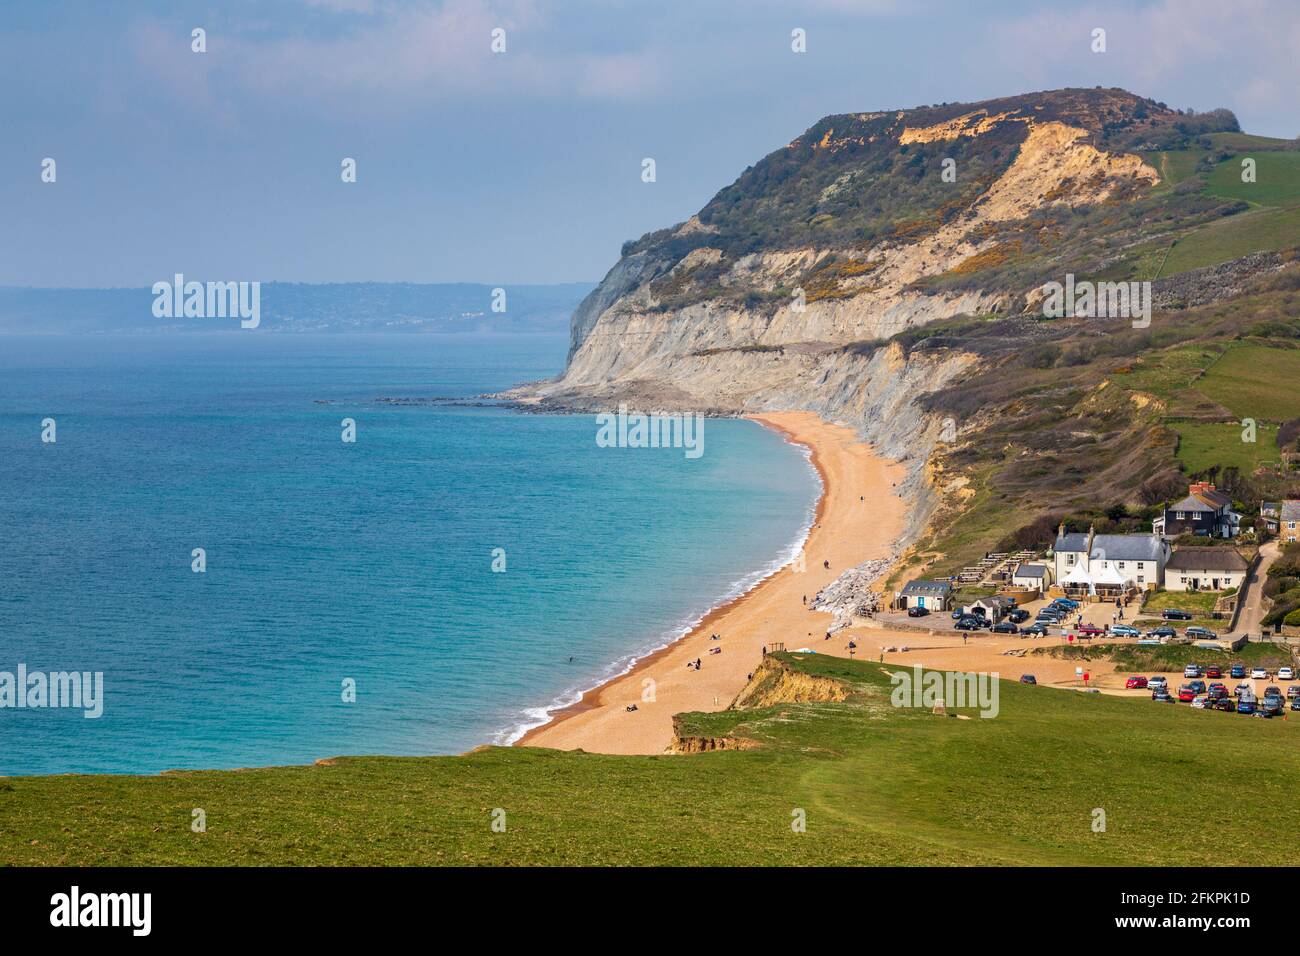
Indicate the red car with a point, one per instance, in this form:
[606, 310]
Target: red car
[1217, 691]
[1090, 630]
[1213, 671]
[1186, 694]
[1135, 683]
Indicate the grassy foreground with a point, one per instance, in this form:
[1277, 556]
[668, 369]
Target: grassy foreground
[878, 785]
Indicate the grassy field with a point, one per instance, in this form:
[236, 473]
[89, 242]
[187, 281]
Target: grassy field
[1203, 445]
[878, 785]
[1277, 179]
[1256, 382]
[1150, 659]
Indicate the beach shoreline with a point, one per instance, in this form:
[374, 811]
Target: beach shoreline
[858, 517]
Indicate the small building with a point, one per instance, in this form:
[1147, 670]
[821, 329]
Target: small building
[931, 595]
[1037, 577]
[1288, 522]
[1205, 511]
[1205, 569]
[992, 609]
[1269, 513]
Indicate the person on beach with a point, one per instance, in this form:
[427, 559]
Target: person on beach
[826, 565]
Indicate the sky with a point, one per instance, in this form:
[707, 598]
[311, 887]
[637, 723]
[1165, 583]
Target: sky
[519, 166]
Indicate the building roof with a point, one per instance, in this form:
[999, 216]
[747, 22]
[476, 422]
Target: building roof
[923, 588]
[1291, 510]
[1202, 502]
[1207, 559]
[1126, 547]
[1075, 541]
[1031, 571]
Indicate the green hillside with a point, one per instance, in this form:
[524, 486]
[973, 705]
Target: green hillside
[878, 785]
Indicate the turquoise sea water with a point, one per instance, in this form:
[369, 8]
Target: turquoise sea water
[328, 561]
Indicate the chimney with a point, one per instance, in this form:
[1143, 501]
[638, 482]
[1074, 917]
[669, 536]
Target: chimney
[1060, 532]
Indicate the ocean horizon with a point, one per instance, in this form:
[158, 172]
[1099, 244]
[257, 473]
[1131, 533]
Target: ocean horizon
[333, 567]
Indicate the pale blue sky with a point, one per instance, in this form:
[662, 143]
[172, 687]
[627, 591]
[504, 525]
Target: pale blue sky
[521, 167]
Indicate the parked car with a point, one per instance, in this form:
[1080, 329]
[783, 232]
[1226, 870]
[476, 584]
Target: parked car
[1272, 690]
[1246, 705]
[1295, 703]
[1125, 630]
[1186, 694]
[1225, 704]
[1269, 707]
[1202, 702]
[958, 614]
[1038, 629]
[969, 624]
[1201, 634]
[1005, 627]
[1018, 616]
[1197, 685]
[1028, 679]
[917, 611]
[1259, 673]
[1158, 681]
[1213, 671]
[1068, 603]
[1192, 670]
[1243, 689]
[1217, 691]
[1173, 614]
[1237, 670]
[1163, 631]
[1090, 630]
[1286, 673]
[1162, 697]
[1135, 683]
[1293, 691]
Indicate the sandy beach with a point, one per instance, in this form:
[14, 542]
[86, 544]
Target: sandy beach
[858, 518]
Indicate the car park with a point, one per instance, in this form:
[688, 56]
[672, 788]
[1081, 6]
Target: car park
[1135, 683]
[1173, 614]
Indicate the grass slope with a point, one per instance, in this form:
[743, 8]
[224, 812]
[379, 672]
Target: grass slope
[879, 785]
[1256, 382]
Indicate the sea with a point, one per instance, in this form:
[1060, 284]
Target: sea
[267, 549]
